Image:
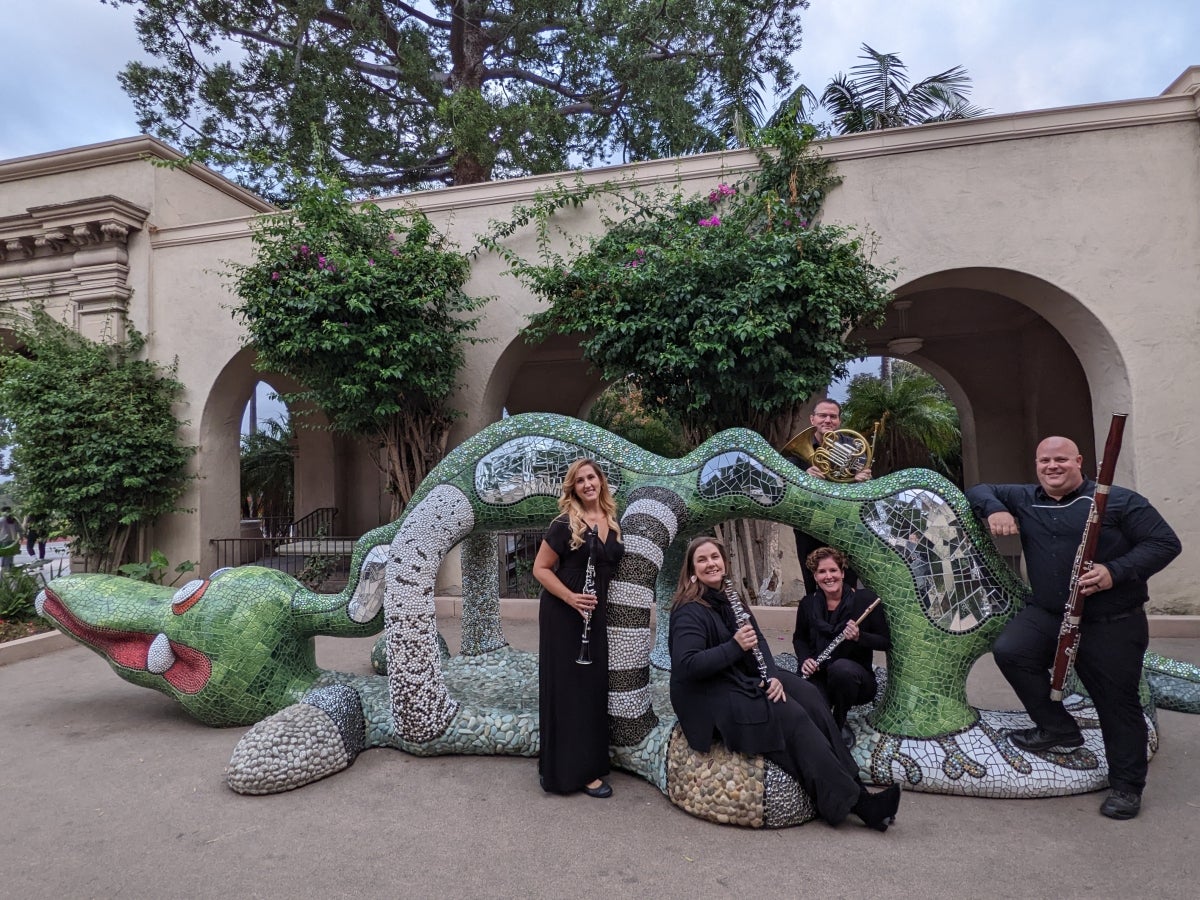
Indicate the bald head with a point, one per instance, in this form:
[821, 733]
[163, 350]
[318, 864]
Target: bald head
[1059, 466]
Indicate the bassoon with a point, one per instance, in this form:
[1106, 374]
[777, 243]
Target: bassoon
[1068, 634]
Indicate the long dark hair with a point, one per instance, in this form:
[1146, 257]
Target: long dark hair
[690, 589]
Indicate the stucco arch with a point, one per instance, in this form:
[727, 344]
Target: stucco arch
[219, 505]
[551, 376]
[1020, 357]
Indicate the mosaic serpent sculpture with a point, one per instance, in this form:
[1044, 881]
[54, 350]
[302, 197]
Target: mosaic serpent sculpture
[238, 646]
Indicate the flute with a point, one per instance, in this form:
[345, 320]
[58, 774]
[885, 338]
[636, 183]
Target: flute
[836, 642]
[589, 587]
[742, 616]
[1068, 635]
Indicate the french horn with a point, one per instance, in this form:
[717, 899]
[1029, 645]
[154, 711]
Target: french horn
[840, 455]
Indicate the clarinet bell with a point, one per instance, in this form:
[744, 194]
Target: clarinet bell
[585, 653]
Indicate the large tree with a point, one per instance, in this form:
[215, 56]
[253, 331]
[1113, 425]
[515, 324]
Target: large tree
[413, 94]
[877, 94]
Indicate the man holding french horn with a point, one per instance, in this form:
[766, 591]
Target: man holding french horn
[1134, 543]
[805, 451]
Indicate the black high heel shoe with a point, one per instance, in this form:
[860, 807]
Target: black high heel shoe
[878, 811]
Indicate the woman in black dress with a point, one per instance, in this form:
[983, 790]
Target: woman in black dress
[573, 698]
[720, 687]
[847, 677]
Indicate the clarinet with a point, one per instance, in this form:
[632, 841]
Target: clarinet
[1068, 635]
[742, 615]
[589, 587]
[836, 642]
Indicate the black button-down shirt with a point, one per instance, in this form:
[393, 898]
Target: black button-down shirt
[1135, 541]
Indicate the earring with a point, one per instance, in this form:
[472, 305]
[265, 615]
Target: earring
[693, 579]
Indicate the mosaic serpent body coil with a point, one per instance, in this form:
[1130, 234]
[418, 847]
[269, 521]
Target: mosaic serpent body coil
[237, 648]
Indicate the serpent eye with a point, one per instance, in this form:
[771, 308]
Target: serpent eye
[187, 596]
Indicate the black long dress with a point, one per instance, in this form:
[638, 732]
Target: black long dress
[573, 699]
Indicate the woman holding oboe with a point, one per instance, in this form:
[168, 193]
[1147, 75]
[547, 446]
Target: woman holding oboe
[573, 696]
[846, 677]
[725, 684]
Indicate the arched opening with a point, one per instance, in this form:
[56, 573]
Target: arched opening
[1020, 357]
[551, 376]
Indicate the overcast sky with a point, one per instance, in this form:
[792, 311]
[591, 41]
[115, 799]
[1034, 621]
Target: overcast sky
[59, 58]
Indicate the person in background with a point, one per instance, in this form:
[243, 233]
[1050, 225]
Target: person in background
[1135, 542]
[825, 417]
[10, 537]
[35, 537]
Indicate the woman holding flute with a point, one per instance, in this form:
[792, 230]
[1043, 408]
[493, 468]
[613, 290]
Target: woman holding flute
[725, 684]
[573, 695]
[846, 677]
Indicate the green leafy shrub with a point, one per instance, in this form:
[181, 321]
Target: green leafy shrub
[95, 440]
[156, 569]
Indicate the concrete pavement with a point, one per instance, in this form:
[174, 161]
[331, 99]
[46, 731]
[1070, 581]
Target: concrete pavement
[108, 790]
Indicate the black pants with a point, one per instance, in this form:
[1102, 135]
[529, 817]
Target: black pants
[844, 683]
[813, 752]
[1109, 664]
[806, 544]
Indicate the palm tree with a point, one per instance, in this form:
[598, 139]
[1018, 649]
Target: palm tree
[921, 427]
[877, 95]
[268, 466]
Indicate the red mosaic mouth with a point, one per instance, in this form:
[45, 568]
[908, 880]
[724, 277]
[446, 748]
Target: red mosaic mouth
[130, 649]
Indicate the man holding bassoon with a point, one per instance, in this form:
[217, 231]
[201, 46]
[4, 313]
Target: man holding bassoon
[1132, 543]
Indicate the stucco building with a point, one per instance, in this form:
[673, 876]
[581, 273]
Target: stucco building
[1049, 265]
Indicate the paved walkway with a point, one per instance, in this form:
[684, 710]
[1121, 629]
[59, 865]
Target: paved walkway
[107, 790]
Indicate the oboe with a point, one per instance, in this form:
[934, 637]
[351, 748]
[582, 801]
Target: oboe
[836, 642]
[589, 587]
[1068, 635]
[742, 616]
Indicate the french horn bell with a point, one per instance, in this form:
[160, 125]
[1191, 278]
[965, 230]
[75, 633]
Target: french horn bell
[840, 455]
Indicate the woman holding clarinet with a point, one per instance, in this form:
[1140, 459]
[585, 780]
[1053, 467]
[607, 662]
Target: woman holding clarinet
[838, 630]
[574, 566]
[725, 684]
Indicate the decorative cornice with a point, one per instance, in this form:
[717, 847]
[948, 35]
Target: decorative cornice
[47, 231]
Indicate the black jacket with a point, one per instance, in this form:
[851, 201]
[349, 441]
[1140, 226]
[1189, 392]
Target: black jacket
[814, 632]
[1135, 541]
[715, 683]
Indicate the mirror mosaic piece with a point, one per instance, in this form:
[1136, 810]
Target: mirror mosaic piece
[529, 466]
[953, 586]
[737, 473]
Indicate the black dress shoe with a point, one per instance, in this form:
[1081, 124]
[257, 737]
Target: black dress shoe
[1038, 740]
[1121, 805]
[603, 789]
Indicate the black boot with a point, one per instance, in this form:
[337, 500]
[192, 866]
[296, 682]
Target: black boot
[878, 810]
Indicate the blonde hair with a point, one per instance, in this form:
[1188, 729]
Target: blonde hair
[689, 589]
[570, 505]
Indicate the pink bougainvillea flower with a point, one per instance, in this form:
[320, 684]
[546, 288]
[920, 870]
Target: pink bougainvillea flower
[274, 276]
[304, 249]
[710, 222]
